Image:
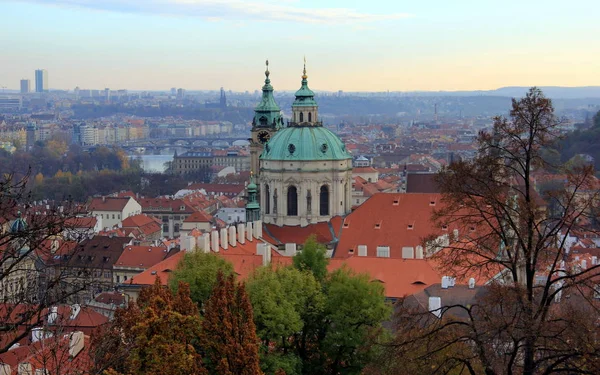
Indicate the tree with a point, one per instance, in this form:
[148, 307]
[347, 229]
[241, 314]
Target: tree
[199, 270]
[229, 335]
[354, 311]
[283, 299]
[31, 245]
[308, 326]
[158, 334]
[503, 227]
[312, 258]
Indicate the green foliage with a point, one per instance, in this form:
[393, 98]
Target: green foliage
[312, 258]
[354, 309]
[309, 325]
[199, 270]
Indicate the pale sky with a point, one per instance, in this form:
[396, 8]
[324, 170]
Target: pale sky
[374, 45]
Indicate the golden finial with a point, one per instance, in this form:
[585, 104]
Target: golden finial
[304, 76]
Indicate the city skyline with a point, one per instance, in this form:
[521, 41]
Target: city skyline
[376, 46]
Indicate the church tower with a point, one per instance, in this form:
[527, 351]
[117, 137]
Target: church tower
[305, 169]
[252, 205]
[267, 120]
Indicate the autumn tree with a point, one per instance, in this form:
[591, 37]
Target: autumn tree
[158, 334]
[199, 270]
[31, 245]
[229, 335]
[524, 324]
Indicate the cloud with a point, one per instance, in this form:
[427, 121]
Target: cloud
[246, 10]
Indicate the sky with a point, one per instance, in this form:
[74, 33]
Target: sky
[374, 45]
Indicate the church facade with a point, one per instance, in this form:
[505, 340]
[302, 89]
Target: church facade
[304, 170]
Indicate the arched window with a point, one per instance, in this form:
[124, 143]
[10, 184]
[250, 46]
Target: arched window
[301, 116]
[268, 200]
[309, 117]
[324, 201]
[292, 201]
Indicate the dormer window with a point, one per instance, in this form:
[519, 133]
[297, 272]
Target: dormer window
[410, 226]
[396, 202]
[378, 225]
[182, 208]
[444, 227]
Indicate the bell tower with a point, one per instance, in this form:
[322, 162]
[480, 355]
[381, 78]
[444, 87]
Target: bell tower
[267, 120]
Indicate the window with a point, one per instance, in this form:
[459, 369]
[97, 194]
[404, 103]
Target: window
[309, 117]
[176, 228]
[324, 201]
[118, 279]
[166, 228]
[107, 275]
[267, 200]
[113, 216]
[292, 201]
[119, 216]
[301, 116]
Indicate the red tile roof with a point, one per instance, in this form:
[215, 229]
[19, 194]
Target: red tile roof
[81, 222]
[388, 219]
[198, 217]
[141, 256]
[146, 224]
[325, 232]
[108, 204]
[400, 277]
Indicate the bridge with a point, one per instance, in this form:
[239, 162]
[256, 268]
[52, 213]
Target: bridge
[184, 142]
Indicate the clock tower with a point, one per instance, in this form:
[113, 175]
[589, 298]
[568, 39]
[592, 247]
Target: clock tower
[267, 120]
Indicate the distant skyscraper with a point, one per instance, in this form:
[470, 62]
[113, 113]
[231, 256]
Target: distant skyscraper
[107, 94]
[173, 91]
[223, 99]
[25, 86]
[41, 80]
[180, 93]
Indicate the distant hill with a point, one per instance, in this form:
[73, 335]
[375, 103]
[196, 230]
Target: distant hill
[555, 92]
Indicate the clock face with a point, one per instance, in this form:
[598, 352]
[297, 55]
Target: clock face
[264, 136]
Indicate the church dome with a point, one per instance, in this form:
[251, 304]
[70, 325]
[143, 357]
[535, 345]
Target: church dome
[19, 225]
[305, 143]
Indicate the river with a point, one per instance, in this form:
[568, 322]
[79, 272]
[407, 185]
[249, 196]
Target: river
[156, 162]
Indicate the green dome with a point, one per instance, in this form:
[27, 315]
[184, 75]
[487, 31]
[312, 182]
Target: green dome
[305, 143]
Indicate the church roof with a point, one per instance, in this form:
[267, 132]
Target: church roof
[305, 143]
[267, 112]
[305, 97]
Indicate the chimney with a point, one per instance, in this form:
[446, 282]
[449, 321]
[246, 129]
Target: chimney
[408, 252]
[205, 243]
[224, 239]
[75, 309]
[37, 334]
[455, 234]
[472, 283]
[290, 249]
[103, 199]
[584, 264]
[232, 236]
[362, 250]
[5, 369]
[451, 281]
[257, 226]
[249, 231]
[419, 252]
[53, 315]
[435, 306]
[187, 243]
[445, 282]
[594, 260]
[76, 343]
[41, 371]
[264, 250]
[214, 237]
[24, 368]
[241, 229]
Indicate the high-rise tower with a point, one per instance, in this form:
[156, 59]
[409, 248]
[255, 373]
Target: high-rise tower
[267, 120]
[41, 80]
